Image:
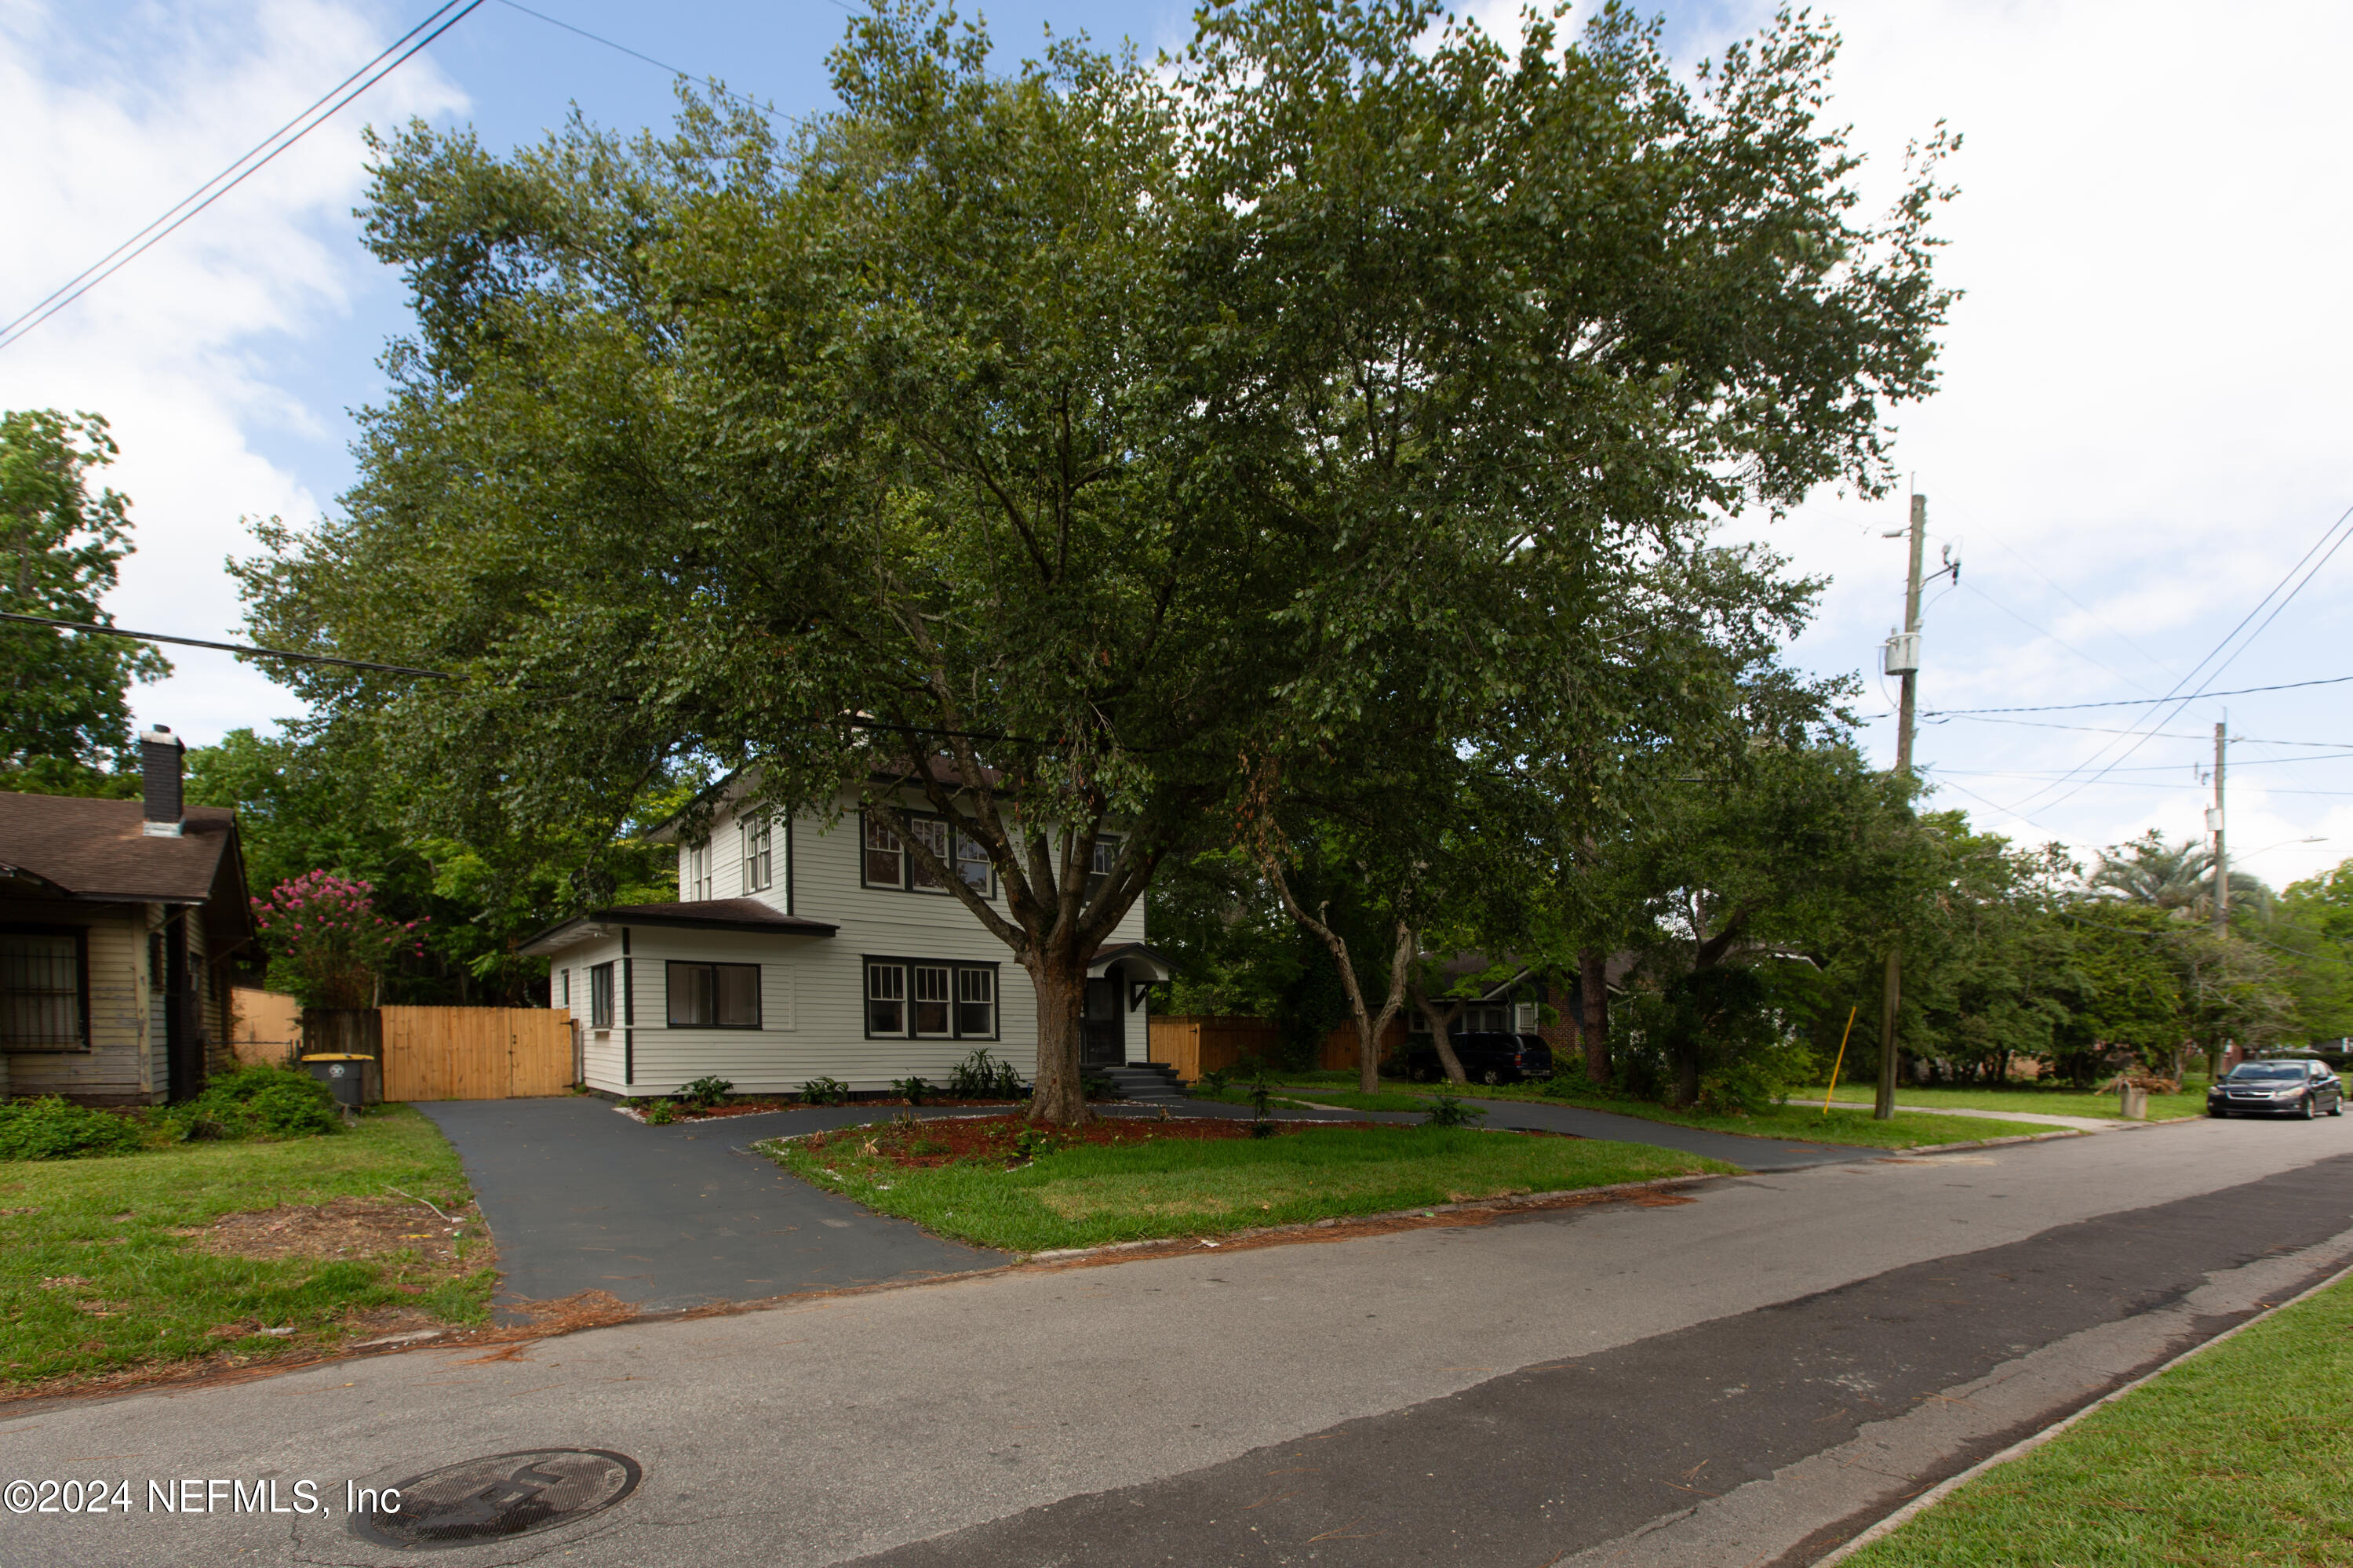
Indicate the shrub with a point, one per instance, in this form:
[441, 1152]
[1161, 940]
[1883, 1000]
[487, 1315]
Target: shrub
[256, 1101]
[54, 1128]
[911, 1090]
[1447, 1109]
[982, 1077]
[1214, 1081]
[825, 1091]
[703, 1094]
[298, 1110]
[660, 1112]
[330, 939]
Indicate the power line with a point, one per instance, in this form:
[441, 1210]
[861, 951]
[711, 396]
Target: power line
[402, 49]
[224, 647]
[2054, 637]
[2133, 701]
[753, 104]
[2336, 529]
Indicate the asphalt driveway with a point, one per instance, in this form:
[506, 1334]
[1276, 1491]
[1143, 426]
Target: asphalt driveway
[580, 1197]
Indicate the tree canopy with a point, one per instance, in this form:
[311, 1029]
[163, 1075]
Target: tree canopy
[1081, 448]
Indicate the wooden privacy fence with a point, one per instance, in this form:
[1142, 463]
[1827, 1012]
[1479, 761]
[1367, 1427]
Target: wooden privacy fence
[476, 1052]
[1195, 1045]
[265, 1027]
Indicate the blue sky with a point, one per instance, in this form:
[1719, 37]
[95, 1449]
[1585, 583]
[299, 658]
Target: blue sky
[2141, 427]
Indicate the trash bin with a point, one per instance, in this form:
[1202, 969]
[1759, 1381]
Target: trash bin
[2132, 1103]
[354, 1080]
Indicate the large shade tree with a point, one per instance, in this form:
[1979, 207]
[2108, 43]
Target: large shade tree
[1070, 447]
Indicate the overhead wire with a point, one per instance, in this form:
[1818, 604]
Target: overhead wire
[321, 110]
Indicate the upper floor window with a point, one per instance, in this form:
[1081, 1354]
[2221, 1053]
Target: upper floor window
[884, 861]
[695, 873]
[600, 996]
[1099, 871]
[759, 862]
[41, 1002]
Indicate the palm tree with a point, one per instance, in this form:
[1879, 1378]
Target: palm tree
[2172, 876]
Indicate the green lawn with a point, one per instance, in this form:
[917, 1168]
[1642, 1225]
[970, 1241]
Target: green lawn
[1797, 1122]
[2040, 1101]
[2234, 1459]
[93, 1276]
[1170, 1187]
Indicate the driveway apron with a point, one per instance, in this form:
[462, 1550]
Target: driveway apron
[579, 1197]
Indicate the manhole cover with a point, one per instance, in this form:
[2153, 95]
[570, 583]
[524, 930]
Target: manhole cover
[501, 1495]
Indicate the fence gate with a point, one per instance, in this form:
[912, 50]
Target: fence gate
[476, 1052]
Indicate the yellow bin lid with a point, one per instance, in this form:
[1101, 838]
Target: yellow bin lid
[337, 1057]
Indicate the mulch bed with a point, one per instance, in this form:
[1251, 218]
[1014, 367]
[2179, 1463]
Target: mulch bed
[984, 1139]
[789, 1102]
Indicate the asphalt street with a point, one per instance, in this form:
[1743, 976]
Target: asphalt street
[1745, 1377]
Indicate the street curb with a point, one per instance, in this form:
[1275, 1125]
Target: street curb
[1944, 1488]
[1335, 1222]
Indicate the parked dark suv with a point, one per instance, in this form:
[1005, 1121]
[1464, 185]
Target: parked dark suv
[2300, 1088]
[1485, 1057]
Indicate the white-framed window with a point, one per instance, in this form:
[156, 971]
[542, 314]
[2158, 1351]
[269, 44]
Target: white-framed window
[713, 995]
[1099, 870]
[930, 984]
[885, 862]
[694, 872]
[600, 996]
[972, 864]
[565, 981]
[977, 1002]
[930, 998]
[42, 1002]
[886, 998]
[759, 860]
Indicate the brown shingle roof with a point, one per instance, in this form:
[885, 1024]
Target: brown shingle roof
[95, 848]
[699, 914]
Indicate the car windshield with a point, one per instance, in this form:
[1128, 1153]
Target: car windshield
[2270, 1069]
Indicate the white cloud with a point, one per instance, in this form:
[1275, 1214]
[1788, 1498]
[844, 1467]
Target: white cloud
[2143, 403]
[193, 350]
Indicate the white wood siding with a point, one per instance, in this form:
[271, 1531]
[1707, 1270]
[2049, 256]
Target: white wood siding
[812, 989]
[124, 1063]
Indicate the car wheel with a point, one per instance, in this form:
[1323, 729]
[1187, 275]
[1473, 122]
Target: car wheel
[1491, 1076]
[2309, 1110]
[2337, 1105]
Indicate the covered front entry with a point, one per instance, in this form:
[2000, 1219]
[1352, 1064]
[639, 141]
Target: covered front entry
[1118, 981]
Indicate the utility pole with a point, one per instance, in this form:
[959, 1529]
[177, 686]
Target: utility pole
[1903, 659]
[2221, 855]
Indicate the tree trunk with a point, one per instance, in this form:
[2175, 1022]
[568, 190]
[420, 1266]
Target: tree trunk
[1593, 1010]
[1441, 1032]
[1058, 1094]
[1686, 1074]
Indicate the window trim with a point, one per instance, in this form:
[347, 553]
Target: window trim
[80, 933]
[956, 839]
[759, 841]
[696, 875]
[600, 1007]
[957, 968]
[670, 966]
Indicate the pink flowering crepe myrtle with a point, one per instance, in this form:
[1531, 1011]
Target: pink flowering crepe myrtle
[327, 929]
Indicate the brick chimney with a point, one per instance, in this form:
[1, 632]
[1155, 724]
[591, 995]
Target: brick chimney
[160, 756]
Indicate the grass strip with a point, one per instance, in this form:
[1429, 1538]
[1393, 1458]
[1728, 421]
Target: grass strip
[1795, 1122]
[1149, 1186]
[97, 1275]
[2040, 1101]
[2235, 1459]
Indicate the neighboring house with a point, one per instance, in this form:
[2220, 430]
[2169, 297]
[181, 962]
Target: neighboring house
[801, 949]
[119, 922]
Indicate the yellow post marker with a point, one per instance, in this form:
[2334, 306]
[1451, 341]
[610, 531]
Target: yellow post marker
[1851, 1012]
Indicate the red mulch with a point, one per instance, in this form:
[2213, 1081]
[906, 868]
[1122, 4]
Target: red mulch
[791, 1102]
[948, 1141]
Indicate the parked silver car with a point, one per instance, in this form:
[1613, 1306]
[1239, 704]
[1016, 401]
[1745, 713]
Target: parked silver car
[2303, 1089]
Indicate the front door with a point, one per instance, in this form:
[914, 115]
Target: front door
[1104, 1043]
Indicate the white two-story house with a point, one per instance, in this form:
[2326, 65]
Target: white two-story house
[801, 949]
